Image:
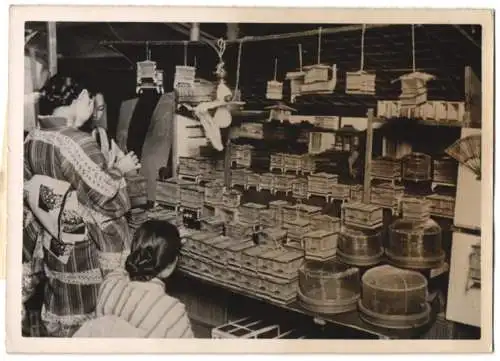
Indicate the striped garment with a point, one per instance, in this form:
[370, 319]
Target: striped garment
[144, 305]
[72, 288]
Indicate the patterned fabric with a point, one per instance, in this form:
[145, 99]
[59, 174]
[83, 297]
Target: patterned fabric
[143, 305]
[71, 291]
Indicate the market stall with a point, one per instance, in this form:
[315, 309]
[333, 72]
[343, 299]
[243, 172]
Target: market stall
[327, 187]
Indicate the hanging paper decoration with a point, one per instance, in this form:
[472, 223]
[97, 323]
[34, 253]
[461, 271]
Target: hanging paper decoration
[296, 79]
[221, 105]
[184, 74]
[413, 86]
[319, 78]
[360, 82]
[274, 87]
[280, 112]
[148, 76]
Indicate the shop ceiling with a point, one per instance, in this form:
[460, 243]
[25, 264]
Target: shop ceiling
[442, 50]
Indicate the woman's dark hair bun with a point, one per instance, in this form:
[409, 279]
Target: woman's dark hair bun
[58, 91]
[141, 264]
[155, 246]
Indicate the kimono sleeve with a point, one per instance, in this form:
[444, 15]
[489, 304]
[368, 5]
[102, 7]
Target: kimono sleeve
[84, 166]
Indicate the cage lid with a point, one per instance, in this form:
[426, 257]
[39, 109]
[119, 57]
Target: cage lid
[256, 206]
[201, 236]
[368, 207]
[390, 278]
[278, 203]
[319, 234]
[241, 245]
[257, 250]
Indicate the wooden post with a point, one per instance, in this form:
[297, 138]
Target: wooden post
[232, 31]
[52, 47]
[367, 176]
[195, 32]
[227, 164]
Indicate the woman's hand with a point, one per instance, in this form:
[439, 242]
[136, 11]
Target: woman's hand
[127, 163]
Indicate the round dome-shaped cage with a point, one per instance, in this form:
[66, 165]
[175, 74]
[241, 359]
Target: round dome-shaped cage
[394, 298]
[415, 244]
[328, 287]
[360, 247]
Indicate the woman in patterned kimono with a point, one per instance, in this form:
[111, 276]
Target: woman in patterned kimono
[59, 150]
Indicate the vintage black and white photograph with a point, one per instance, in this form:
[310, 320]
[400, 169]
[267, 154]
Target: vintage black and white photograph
[253, 180]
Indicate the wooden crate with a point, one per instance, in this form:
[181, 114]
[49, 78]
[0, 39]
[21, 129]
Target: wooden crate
[308, 164]
[267, 218]
[326, 223]
[192, 196]
[277, 161]
[283, 183]
[250, 212]
[279, 290]
[297, 229]
[299, 188]
[252, 180]
[168, 191]
[241, 155]
[320, 184]
[194, 242]
[213, 224]
[386, 195]
[231, 198]
[362, 215]
[300, 211]
[189, 166]
[277, 207]
[272, 236]
[445, 171]
[266, 182]
[250, 256]
[292, 162]
[239, 176]
[386, 168]
[235, 251]
[239, 230]
[213, 193]
[320, 245]
[356, 194]
[442, 205]
[216, 251]
[340, 191]
[281, 262]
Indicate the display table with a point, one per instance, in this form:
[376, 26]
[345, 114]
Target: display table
[349, 320]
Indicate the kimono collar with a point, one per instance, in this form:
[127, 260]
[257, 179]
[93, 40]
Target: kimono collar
[51, 122]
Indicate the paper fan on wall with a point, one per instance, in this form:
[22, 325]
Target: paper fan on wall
[467, 151]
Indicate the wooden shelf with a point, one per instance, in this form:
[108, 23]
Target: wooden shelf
[350, 320]
[428, 122]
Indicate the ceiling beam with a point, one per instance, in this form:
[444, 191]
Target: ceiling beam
[300, 34]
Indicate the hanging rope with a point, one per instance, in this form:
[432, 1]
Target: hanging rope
[148, 52]
[413, 45]
[185, 52]
[363, 47]
[300, 56]
[319, 45]
[275, 68]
